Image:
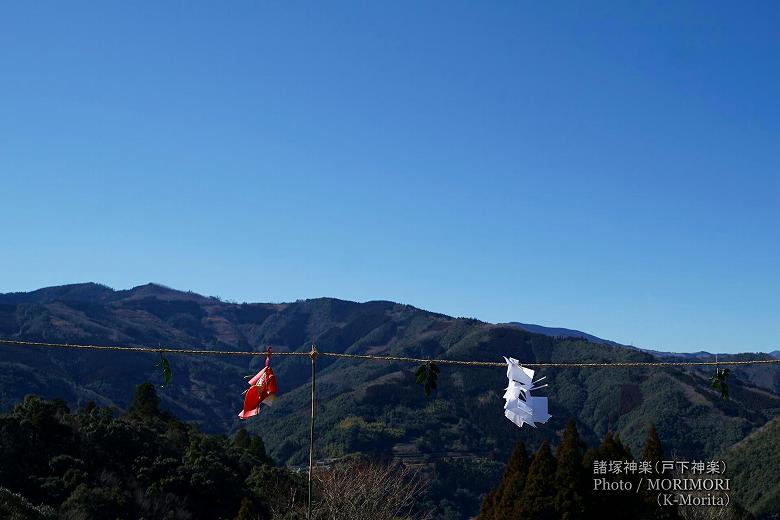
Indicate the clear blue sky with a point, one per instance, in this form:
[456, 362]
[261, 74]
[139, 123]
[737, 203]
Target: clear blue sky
[612, 167]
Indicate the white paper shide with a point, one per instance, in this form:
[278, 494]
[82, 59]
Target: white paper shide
[521, 407]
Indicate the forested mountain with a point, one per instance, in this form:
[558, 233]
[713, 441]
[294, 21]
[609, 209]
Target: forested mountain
[92, 463]
[371, 407]
[754, 463]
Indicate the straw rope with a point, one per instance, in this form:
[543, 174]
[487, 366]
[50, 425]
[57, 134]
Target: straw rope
[400, 359]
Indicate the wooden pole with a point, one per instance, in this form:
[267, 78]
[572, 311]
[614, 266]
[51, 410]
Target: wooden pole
[313, 354]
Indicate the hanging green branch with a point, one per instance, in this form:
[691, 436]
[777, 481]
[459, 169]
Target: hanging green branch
[718, 382]
[165, 369]
[428, 376]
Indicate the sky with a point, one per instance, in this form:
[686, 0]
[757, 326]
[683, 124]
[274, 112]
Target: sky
[612, 167]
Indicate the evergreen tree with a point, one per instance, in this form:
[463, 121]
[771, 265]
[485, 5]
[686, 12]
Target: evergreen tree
[624, 504]
[257, 448]
[247, 510]
[615, 448]
[538, 499]
[252, 444]
[146, 402]
[489, 504]
[570, 483]
[242, 439]
[500, 502]
[653, 450]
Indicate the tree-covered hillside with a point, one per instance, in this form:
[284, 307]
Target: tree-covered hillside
[93, 463]
[754, 464]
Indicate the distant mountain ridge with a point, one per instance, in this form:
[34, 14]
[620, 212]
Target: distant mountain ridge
[91, 292]
[370, 407]
[560, 332]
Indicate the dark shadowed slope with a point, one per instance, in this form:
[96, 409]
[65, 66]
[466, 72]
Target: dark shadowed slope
[754, 467]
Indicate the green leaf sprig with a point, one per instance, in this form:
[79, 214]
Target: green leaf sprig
[165, 369]
[428, 376]
[718, 382]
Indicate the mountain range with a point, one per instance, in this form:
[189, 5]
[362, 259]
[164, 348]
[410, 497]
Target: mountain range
[363, 406]
[561, 332]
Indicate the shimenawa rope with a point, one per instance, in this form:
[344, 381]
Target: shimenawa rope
[401, 359]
